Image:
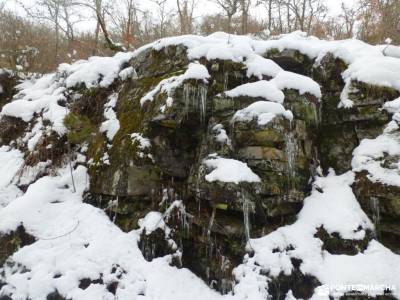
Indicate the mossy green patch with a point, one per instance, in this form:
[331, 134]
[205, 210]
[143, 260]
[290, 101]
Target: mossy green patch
[97, 147]
[365, 91]
[79, 128]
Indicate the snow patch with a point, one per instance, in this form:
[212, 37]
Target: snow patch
[259, 66]
[195, 71]
[263, 111]
[127, 73]
[11, 161]
[77, 241]
[221, 136]
[290, 80]
[229, 170]
[94, 72]
[40, 95]
[263, 89]
[45, 94]
[151, 222]
[143, 142]
[332, 205]
[111, 125]
[370, 155]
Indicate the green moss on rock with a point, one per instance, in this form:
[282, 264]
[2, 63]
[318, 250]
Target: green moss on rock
[79, 128]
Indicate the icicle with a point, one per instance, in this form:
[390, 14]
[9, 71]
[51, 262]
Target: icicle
[199, 201]
[185, 224]
[209, 244]
[195, 97]
[213, 284]
[225, 81]
[290, 152]
[208, 273]
[210, 225]
[375, 214]
[189, 95]
[202, 90]
[290, 149]
[164, 197]
[226, 286]
[186, 97]
[115, 204]
[198, 189]
[247, 207]
[317, 113]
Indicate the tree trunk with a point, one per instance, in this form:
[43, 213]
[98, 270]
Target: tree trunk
[109, 42]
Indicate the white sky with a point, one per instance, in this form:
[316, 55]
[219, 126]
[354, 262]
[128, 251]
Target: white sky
[204, 7]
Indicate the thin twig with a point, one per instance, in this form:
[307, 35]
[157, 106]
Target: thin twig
[56, 237]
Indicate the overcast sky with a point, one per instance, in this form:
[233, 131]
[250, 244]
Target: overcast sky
[204, 7]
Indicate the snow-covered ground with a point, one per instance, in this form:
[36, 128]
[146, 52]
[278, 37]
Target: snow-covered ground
[76, 241]
[332, 205]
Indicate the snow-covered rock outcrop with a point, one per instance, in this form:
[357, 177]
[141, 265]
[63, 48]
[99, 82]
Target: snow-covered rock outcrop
[204, 168]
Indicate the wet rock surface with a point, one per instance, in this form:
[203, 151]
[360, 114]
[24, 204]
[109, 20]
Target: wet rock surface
[381, 203]
[283, 153]
[128, 180]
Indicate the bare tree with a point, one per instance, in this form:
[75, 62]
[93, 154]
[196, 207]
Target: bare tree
[126, 20]
[26, 44]
[280, 16]
[49, 10]
[163, 13]
[349, 16]
[244, 9]
[101, 9]
[2, 5]
[230, 8]
[269, 6]
[379, 19]
[306, 12]
[185, 13]
[62, 14]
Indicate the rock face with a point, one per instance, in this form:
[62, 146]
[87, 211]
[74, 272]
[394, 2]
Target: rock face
[381, 203]
[341, 130]
[8, 80]
[173, 128]
[283, 153]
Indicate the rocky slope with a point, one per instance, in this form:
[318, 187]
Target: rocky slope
[197, 167]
